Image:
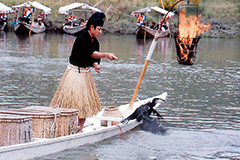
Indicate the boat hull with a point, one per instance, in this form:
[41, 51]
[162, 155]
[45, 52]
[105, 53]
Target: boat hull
[143, 31]
[45, 147]
[91, 134]
[76, 30]
[24, 28]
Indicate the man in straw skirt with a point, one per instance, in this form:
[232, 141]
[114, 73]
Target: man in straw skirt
[77, 88]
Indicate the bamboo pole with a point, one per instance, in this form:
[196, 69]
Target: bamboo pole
[32, 21]
[98, 3]
[149, 55]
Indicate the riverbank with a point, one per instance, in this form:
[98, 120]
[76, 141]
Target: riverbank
[221, 14]
[219, 29]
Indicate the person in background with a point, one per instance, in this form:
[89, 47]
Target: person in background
[14, 21]
[140, 20]
[82, 22]
[165, 24]
[72, 19]
[66, 23]
[153, 25]
[35, 23]
[77, 88]
[3, 17]
[41, 17]
[41, 24]
[27, 13]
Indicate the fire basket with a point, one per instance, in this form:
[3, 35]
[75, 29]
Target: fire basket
[186, 52]
[186, 38]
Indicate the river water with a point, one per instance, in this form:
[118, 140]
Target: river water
[202, 109]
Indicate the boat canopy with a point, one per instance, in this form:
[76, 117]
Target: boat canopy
[65, 9]
[34, 4]
[4, 8]
[153, 9]
[143, 10]
[163, 11]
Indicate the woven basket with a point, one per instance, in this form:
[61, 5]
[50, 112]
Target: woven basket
[111, 111]
[67, 121]
[43, 123]
[15, 129]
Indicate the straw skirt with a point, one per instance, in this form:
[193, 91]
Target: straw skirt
[78, 91]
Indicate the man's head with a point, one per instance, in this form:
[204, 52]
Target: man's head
[97, 19]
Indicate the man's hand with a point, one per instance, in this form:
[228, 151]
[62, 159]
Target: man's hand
[96, 67]
[111, 56]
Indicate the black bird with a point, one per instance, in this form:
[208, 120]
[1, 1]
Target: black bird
[143, 113]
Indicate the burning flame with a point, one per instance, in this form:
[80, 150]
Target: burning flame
[191, 27]
[189, 30]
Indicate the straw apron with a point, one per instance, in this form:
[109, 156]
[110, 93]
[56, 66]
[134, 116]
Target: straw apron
[77, 90]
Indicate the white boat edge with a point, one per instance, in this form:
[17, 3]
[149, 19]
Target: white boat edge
[74, 30]
[42, 147]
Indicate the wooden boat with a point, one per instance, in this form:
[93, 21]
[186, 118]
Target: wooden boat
[74, 30]
[92, 132]
[26, 28]
[145, 31]
[76, 7]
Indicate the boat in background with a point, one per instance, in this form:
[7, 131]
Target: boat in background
[77, 28]
[143, 30]
[3, 10]
[94, 131]
[26, 28]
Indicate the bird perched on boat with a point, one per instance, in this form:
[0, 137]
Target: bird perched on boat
[143, 113]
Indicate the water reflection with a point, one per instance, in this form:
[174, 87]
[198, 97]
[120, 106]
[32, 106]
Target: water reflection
[2, 39]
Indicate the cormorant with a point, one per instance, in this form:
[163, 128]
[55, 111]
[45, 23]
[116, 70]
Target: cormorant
[143, 113]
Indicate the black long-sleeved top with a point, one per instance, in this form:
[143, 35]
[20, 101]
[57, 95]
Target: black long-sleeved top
[82, 50]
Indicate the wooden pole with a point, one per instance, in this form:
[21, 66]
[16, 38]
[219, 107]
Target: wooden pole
[149, 55]
[98, 3]
[32, 21]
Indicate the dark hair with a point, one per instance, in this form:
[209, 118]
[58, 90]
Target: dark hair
[96, 20]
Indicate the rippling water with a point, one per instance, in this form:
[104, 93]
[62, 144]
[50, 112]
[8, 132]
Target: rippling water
[202, 110]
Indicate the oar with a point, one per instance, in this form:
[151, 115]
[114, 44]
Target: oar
[149, 55]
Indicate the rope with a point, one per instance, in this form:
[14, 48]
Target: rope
[54, 125]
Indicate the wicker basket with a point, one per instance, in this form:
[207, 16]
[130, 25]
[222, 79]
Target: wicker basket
[15, 129]
[43, 123]
[67, 121]
[111, 111]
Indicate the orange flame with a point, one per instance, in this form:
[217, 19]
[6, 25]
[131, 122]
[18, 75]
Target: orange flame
[190, 27]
